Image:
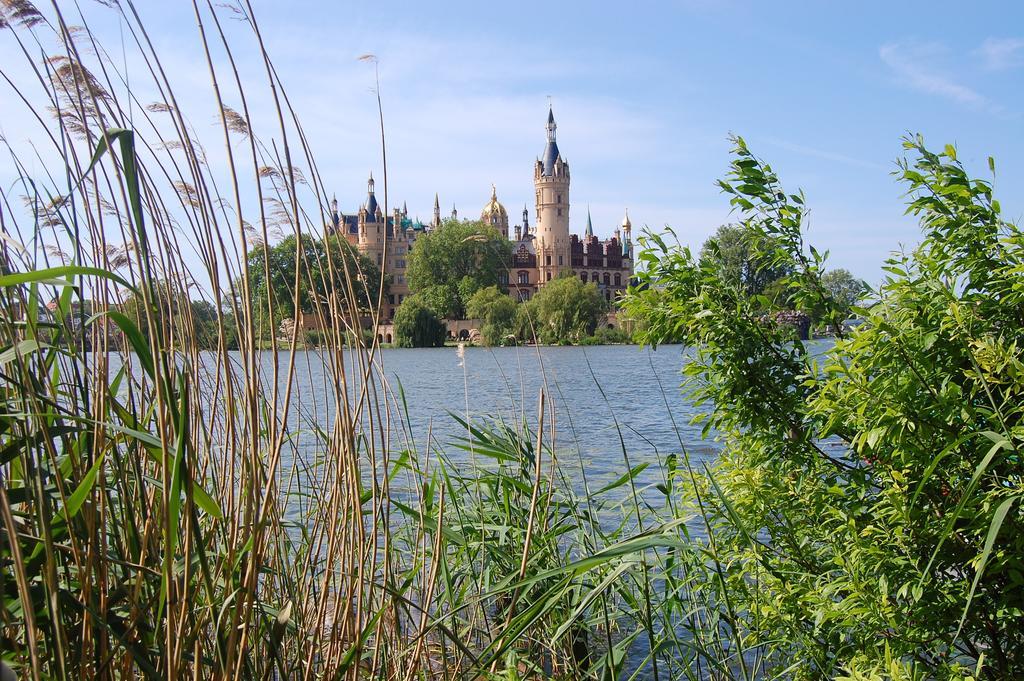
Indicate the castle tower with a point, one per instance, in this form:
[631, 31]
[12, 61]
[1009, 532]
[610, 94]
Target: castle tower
[335, 215]
[371, 227]
[551, 181]
[627, 235]
[494, 214]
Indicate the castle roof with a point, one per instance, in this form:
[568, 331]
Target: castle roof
[371, 200]
[493, 207]
[551, 154]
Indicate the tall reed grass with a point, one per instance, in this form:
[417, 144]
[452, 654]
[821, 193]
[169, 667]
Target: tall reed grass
[168, 511]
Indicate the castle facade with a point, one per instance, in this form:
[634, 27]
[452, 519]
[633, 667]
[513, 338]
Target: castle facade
[539, 254]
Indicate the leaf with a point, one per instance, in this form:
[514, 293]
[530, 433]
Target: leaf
[990, 540]
[21, 349]
[53, 274]
[626, 477]
[134, 336]
[206, 502]
[77, 497]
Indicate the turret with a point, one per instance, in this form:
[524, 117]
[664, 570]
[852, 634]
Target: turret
[551, 182]
[335, 215]
[627, 235]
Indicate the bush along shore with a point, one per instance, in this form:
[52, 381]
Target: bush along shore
[168, 512]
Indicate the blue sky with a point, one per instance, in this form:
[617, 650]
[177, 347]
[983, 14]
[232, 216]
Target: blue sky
[645, 95]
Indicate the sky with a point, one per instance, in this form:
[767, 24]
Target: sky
[645, 96]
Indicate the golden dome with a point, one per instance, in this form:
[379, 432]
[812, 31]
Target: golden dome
[625, 221]
[493, 209]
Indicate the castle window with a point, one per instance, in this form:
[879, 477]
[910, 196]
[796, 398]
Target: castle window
[594, 278]
[503, 278]
[559, 200]
[547, 259]
[559, 261]
[583, 277]
[559, 212]
[524, 277]
[607, 279]
[549, 276]
[618, 279]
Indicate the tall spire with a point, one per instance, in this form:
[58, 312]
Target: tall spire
[437, 211]
[526, 220]
[335, 218]
[551, 150]
[590, 225]
[455, 213]
[371, 200]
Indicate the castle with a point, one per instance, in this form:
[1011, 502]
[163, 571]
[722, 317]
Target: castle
[539, 254]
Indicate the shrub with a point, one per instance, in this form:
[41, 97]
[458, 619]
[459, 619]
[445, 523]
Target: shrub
[866, 510]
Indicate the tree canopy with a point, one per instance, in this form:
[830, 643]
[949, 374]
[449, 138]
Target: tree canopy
[326, 266]
[462, 257]
[844, 288]
[565, 310]
[497, 311]
[743, 259]
[417, 326]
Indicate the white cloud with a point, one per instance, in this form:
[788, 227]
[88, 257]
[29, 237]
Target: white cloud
[824, 154]
[911, 63]
[999, 54]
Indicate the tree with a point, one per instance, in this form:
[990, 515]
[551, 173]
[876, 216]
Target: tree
[497, 311]
[443, 300]
[417, 326]
[846, 290]
[564, 311]
[176, 314]
[467, 256]
[744, 260]
[326, 268]
[866, 509]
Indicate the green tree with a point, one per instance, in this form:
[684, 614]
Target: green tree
[443, 300]
[497, 311]
[417, 326]
[327, 269]
[467, 256]
[564, 311]
[866, 508]
[176, 314]
[844, 288]
[744, 260]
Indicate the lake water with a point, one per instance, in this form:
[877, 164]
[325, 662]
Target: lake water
[591, 389]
